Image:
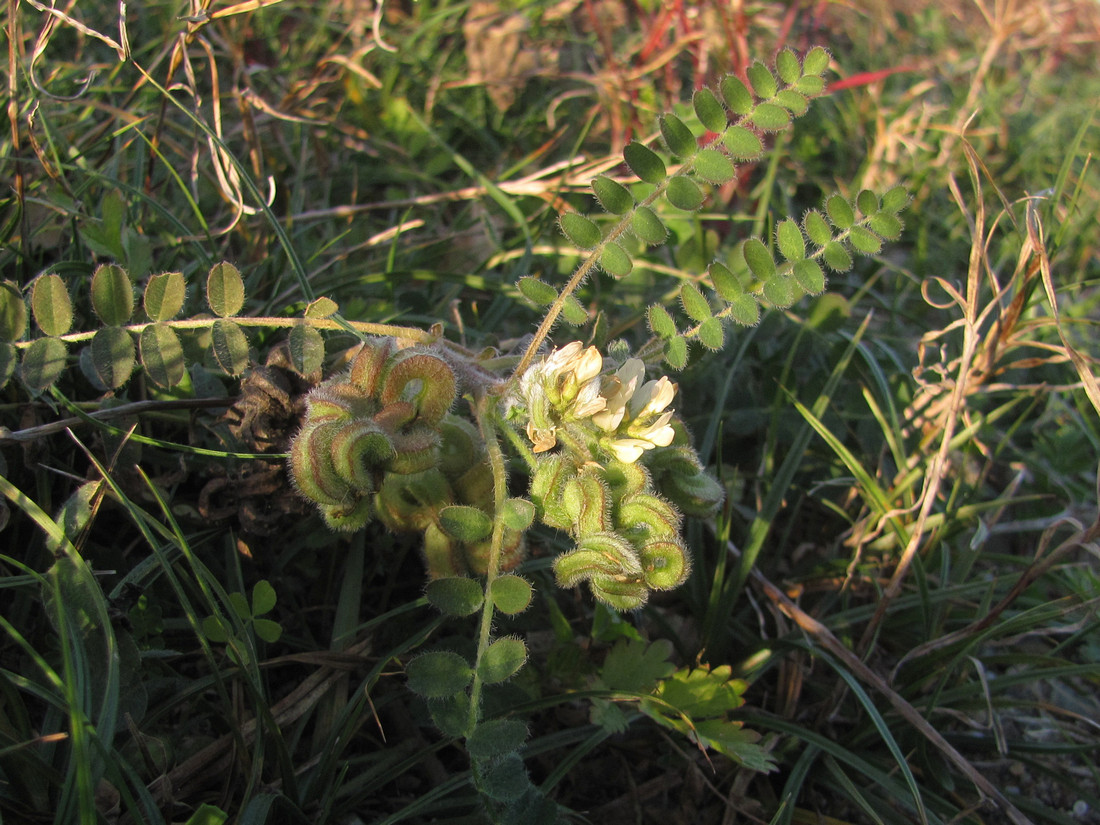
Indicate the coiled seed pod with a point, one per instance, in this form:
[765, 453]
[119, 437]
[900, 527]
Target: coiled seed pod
[424, 380]
[312, 468]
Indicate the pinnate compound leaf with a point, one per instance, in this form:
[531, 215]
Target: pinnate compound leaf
[840, 212]
[660, 322]
[867, 201]
[713, 166]
[837, 256]
[13, 312]
[501, 660]
[684, 193]
[815, 62]
[230, 346]
[677, 136]
[162, 355]
[615, 261]
[583, 233]
[322, 308]
[612, 195]
[511, 594]
[573, 311]
[736, 94]
[51, 306]
[455, 595]
[787, 66]
[711, 334]
[496, 737]
[43, 362]
[225, 290]
[743, 143]
[112, 295]
[758, 258]
[537, 291]
[864, 240]
[465, 523]
[810, 276]
[788, 238]
[781, 290]
[817, 228]
[709, 110]
[438, 674]
[648, 227]
[770, 117]
[762, 80]
[644, 162]
[307, 349]
[164, 295]
[694, 302]
[113, 359]
[676, 352]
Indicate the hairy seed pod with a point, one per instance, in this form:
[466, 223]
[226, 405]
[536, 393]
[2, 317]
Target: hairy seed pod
[460, 447]
[697, 495]
[368, 364]
[425, 380]
[551, 473]
[475, 486]
[441, 554]
[645, 515]
[619, 594]
[411, 502]
[337, 401]
[513, 550]
[348, 517]
[625, 479]
[665, 563]
[395, 416]
[417, 449]
[360, 450]
[587, 503]
[601, 553]
[311, 465]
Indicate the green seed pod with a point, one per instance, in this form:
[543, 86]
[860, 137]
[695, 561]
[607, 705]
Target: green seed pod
[423, 379]
[665, 563]
[460, 447]
[697, 495]
[608, 554]
[587, 504]
[624, 479]
[396, 415]
[647, 516]
[410, 502]
[348, 517]
[359, 451]
[619, 594]
[513, 551]
[311, 465]
[337, 401]
[417, 450]
[546, 489]
[475, 486]
[367, 366]
[441, 554]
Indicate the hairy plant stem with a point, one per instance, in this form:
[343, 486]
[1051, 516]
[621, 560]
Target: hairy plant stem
[485, 413]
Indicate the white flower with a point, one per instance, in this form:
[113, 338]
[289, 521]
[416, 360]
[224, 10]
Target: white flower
[618, 390]
[564, 386]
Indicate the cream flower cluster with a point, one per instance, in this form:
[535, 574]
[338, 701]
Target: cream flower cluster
[569, 387]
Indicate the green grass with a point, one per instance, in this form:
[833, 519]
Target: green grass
[903, 573]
